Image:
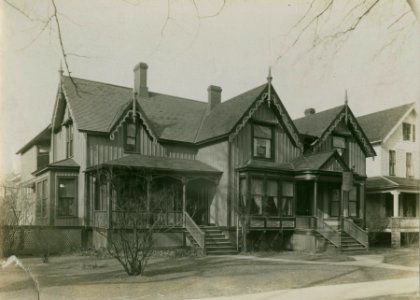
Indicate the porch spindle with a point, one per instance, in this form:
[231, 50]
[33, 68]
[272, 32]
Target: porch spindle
[184, 199]
[315, 198]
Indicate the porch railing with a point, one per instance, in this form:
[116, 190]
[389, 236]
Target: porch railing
[198, 235]
[306, 222]
[328, 232]
[355, 232]
[127, 219]
[404, 222]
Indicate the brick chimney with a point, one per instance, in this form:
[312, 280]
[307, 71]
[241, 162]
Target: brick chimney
[309, 111]
[140, 80]
[214, 95]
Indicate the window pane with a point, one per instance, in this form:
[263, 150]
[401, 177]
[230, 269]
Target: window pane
[339, 142]
[353, 209]
[39, 190]
[262, 131]
[272, 188]
[131, 130]
[353, 194]
[257, 186]
[262, 148]
[287, 208]
[66, 187]
[287, 189]
[44, 189]
[256, 205]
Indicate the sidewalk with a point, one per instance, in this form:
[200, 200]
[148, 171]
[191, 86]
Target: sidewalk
[348, 291]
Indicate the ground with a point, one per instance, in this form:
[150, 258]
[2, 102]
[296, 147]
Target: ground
[90, 277]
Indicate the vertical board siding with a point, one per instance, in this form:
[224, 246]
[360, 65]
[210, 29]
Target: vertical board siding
[357, 158]
[102, 149]
[332, 165]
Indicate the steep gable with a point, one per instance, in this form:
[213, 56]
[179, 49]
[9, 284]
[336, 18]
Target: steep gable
[321, 125]
[378, 125]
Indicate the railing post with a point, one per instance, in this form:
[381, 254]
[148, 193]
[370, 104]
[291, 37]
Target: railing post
[184, 198]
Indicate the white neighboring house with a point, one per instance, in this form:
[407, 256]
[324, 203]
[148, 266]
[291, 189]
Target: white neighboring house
[392, 188]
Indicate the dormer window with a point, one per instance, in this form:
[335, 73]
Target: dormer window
[69, 139]
[263, 137]
[339, 143]
[130, 136]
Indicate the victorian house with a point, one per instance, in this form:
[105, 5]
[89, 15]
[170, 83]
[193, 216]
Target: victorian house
[213, 161]
[392, 201]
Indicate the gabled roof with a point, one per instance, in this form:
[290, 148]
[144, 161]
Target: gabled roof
[379, 124]
[43, 136]
[392, 182]
[222, 119]
[316, 161]
[160, 164]
[65, 164]
[316, 124]
[97, 107]
[321, 125]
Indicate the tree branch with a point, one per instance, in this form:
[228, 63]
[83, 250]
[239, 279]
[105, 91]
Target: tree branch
[18, 9]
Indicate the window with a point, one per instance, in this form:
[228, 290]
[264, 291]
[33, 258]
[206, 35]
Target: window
[407, 131]
[335, 203]
[391, 162]
[353, 202]
[287, 191]
[262, 141]
[42, 198]
[43, 157]
[339, 143]
[414, 133]
[100, 194]
[270, 204]
[69, 140]
[130, 136]
[257, 195]
[66, 206]
[408, 165]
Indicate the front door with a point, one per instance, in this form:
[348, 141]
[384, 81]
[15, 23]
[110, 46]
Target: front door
[197, 205]
[305, 194]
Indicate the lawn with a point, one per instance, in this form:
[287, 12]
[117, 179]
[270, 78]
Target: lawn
[86, 277]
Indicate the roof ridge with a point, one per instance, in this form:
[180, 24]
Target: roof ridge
[322, 111]
[387, 109]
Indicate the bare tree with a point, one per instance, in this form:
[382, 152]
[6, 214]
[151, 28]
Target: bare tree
[137, 218]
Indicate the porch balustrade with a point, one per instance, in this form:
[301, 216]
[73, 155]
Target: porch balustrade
[306, 222]
[126, 219]
[404, 223]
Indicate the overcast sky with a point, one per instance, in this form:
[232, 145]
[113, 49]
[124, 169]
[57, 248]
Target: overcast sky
[378, 62]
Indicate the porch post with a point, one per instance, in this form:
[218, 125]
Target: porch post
[184, 199]
[315, 198]
[148, 192]
[362, 202]
[396, 195]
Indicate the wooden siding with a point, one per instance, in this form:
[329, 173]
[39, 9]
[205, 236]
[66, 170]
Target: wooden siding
[28, 163]
[333, 165]
[357, 158]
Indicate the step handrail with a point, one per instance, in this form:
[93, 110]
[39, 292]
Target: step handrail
[357, 233]
[198, 235]
[326, 230]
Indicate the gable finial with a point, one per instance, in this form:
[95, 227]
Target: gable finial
[346, 98]
[269, 79]
[61, 71]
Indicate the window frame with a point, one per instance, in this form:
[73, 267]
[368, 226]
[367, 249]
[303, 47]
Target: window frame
[76, 197]
[272, 140]
[391, 162]
[42, 197]
[336, 202]
[406, 132]
[136, 130]
[69, 139]
[409, 165]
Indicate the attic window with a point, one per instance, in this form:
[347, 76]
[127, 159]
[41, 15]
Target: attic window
[409, 132]
[130, 136]
[339, 143]
[262, 141]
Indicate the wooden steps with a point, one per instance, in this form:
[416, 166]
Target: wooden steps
[216, 242]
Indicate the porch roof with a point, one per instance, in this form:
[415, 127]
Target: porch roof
[138, 161]
[392, 182]
[65, 164]
[316, 161]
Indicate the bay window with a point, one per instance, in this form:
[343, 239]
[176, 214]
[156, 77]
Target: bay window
[287, 191]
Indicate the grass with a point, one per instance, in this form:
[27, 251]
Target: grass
[70, 277]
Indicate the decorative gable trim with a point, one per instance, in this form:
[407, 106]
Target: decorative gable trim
[400, 121]
[335, 158]
[62, 96]
[284, 116]
[349, 118]
[129, 114]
